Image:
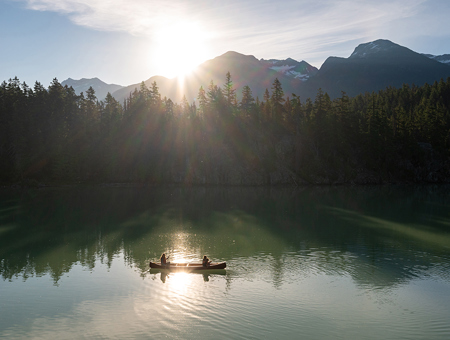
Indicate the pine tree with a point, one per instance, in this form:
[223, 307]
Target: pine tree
[228, 91]
[145, 94]
[247, 103]
[266, 106]
[277, 100]
[155, 96]
[202, 102]
[169, 108]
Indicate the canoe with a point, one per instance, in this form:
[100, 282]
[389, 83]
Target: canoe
[188, 266]
[205, 273]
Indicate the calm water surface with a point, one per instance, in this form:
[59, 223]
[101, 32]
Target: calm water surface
[309, 263]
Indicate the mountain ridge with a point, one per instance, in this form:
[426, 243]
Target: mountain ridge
[101, 88]
[244, 70]
[372, 66]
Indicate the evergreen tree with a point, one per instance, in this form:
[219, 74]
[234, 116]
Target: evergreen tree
[202, 101]
[228, 91]
[277, 100]
[267, 107]
[155, 96]
[247, 103]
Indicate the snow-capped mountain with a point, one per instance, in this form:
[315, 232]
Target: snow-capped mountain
[101, 88]
[444, 58]
[291, 68]
[372, 67]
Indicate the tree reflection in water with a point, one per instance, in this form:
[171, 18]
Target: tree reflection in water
[341, 229]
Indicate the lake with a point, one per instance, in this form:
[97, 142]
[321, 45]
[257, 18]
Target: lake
[310, 262]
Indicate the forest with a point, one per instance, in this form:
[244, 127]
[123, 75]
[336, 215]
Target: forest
[54, 136]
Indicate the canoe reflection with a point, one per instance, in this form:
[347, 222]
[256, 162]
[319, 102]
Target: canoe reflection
[164, 273]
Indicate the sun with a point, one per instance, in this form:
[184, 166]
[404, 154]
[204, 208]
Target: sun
[179, 48]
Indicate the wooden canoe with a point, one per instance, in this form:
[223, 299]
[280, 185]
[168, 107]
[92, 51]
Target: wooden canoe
[187, 266]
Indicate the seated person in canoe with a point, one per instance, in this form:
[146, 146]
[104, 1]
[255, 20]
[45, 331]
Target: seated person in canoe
[163, 260]
[206, 262]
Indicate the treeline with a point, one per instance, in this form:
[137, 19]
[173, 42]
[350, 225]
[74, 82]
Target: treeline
[56, 135]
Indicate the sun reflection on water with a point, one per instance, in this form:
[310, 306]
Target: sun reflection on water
[179, 282]
[179, 250]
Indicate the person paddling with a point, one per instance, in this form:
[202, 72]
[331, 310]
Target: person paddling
[164, 260]
[206, 262]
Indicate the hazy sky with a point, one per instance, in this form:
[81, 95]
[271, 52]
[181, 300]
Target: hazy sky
[127, 41]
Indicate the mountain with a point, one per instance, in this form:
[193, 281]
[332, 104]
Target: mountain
[101, 88]
[444, 58]
[372, 67]
[244, 70]
[291, 68]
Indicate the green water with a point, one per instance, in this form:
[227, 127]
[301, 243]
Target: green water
[309, 263]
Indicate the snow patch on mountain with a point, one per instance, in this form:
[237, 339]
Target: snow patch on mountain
[444, 58]
[299, 75]
[289, 71]
[291, 68]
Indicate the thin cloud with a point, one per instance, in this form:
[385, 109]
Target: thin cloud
[302, 30]
[140, 15]
[290, 27]
[137, 17]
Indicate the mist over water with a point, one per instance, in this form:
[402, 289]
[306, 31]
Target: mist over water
[311, 262]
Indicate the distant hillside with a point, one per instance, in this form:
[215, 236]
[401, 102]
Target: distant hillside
[101, 88]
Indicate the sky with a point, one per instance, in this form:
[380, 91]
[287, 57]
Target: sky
[127, 41]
